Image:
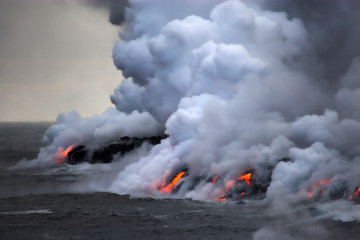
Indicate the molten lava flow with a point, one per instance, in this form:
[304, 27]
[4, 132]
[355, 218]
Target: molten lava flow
[229, 184]
[223, 198]
[246, 177]
[63, 153]
[357, 192]
[214, 179]
[66, 152]
[168, 188]
[320, 184]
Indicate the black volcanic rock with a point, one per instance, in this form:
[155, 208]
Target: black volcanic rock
[77, 155]
[105, 154]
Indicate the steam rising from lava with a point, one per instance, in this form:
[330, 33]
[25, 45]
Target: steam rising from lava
[236, 85]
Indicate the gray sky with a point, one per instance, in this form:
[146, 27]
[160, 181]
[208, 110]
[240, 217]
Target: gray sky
[55, 56]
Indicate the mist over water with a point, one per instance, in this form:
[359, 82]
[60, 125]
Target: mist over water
[20, 140]
[236, 86]
[48, 202]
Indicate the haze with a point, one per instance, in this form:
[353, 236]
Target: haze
[55, 56]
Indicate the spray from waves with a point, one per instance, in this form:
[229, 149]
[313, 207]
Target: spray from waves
[239, 87]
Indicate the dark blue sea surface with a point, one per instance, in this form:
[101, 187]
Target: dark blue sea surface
[42, 204]
[19, 140]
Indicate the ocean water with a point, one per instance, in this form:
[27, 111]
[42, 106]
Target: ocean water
[54, 203]
[21, 141]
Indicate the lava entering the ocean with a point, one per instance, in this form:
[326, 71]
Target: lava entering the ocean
[170, 187]
[63, 153]
[230, 192]
[214, 179]
[356, 194]
[321, 184]
[244, 177]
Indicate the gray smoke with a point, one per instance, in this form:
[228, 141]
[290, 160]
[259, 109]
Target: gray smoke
[235, 85]
[333, 32]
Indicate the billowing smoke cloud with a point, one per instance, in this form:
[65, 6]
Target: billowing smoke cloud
[94, 132]
[236, 85]
[332, 32]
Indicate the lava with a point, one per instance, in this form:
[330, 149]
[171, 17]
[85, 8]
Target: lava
[357, 192]
[214, 179]
[168, 188]
[63, 153]
[66, 152]
[320, 184]
[246, 177]
[223, 198]
[229, 184]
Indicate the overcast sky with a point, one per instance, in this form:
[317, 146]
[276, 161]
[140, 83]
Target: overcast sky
[55, 56]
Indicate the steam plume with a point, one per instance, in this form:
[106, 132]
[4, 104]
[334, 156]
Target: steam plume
[236, 85]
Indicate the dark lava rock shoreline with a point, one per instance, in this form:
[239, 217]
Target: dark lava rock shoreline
[82, 153]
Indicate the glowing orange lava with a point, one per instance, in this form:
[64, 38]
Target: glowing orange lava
[357, 192]
[223, 198]
[66, 152]
[246, 177]
[320, 184]
[63, 153]
[168, 188]
[229, 184]
[214, 179]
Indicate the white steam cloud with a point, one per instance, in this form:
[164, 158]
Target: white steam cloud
[236, 85]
